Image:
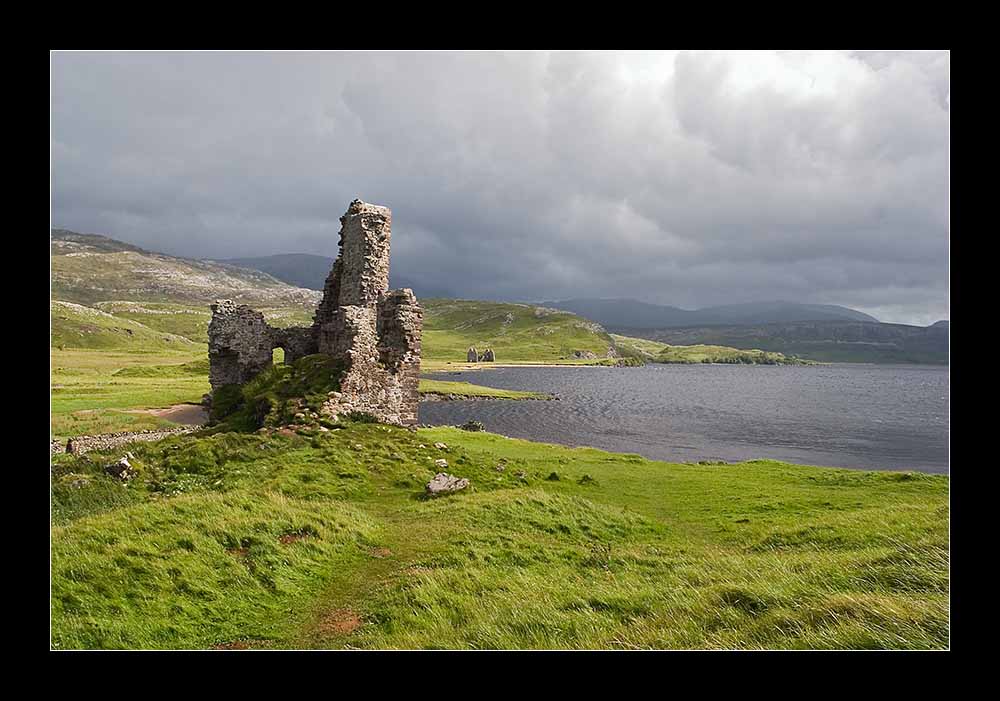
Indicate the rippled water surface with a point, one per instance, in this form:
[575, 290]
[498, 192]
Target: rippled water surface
[863, 416]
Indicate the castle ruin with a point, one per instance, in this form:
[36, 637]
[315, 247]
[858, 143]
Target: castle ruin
[374, 332]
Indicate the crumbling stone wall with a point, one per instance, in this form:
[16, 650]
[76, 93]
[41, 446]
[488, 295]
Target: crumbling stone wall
[84, 444]
[374, 331]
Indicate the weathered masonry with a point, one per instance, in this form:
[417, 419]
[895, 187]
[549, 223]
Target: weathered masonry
[375, 332]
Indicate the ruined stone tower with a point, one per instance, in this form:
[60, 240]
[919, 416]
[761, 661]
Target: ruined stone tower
[375, 332]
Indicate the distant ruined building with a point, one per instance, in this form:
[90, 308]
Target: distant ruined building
[374, 331]
[486, 356]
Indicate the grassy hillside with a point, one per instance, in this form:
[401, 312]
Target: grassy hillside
[77, 326]
[192, 321]
[322, 539]
[89, 268]
[516, 332]
[309, 538]
[656, 352]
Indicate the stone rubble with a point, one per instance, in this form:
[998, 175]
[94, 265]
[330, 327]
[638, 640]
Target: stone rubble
[122, 469]
[444, 483]
[84, 444]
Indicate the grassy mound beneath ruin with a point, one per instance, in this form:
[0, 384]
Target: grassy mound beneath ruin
[324, 539]
[282, 394]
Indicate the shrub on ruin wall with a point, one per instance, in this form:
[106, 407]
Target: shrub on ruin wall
[225, 401]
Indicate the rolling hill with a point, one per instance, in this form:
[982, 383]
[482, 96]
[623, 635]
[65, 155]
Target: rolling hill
[516, 332]
[88, 268]
[77, 326]
[656, 352]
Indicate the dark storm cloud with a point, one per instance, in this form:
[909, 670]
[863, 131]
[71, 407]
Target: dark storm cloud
[687, 179]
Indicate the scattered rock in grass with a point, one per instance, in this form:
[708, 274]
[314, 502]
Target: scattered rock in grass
[521, 474]
[441, 462]
[441, 446]
[553, 477]
[444, 483]
[358, 446]
[587, 479]
[381, 552]
[122, 469]
[473, 426]
[500, 468]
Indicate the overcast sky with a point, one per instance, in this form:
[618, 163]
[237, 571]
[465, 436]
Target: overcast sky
[680, 178]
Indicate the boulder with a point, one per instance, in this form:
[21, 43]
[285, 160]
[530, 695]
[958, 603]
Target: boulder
[473, 425]
[441, 462]
[122, 469]
[472, 355]
[444, 483]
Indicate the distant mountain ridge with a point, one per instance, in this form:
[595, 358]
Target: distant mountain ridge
[630, 313]
[826, 341]
[310, 271]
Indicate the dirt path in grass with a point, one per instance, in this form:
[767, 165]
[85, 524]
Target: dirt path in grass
[185, 414]
[339, 612]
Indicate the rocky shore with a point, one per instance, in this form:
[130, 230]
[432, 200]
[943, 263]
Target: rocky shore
[434, 397]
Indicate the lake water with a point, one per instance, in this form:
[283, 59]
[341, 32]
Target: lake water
[846, 415]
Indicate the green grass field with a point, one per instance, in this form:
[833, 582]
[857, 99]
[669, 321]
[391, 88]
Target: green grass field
[467, 389]
[324, 540]
[92, 390]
